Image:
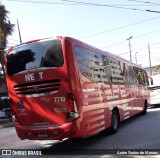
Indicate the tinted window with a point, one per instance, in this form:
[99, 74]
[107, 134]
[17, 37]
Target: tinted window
[92, 65]
[117, 71]
[35, 55]
[132, 77]
[140, 75]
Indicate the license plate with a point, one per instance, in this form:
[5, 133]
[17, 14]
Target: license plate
[42, 135]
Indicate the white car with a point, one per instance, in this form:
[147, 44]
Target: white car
[154, 94]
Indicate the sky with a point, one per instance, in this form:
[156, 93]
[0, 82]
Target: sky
[105, 24]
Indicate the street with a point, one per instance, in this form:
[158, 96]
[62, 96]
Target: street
[139, 132]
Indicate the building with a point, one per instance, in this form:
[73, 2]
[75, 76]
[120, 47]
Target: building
[154, 72]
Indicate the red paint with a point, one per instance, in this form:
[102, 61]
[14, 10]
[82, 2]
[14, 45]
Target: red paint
[67, 90]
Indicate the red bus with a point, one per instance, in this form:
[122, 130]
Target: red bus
[63, 88]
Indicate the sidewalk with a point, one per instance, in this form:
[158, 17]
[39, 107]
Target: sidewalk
[5, 122]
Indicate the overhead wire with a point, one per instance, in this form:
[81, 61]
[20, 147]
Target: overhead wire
[144, 48]
[134, 38]
[102, 5]
[145, 2]
[121, 27]
[89, 4]
[72, 2]
[30, 1]
[151, 11]
[111, 6]
[85, 3]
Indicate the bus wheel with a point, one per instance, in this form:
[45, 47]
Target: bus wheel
[114, 122]
[144, 112]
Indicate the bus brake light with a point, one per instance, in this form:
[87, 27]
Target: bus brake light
[73, 111]
[71, 105]
[71, 102]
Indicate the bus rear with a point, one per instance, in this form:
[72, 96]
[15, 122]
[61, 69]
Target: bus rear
[41, 98]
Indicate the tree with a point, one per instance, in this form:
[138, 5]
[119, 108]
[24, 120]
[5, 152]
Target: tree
[6, 29]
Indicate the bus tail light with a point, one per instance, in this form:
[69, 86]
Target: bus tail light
[12, 106]
[73, 110]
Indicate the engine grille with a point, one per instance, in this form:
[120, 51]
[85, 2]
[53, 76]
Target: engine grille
[38, 87]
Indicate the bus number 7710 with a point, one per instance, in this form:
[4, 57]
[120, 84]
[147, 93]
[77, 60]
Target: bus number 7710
[67, 89]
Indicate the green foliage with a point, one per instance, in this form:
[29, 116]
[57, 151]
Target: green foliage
[6, 28]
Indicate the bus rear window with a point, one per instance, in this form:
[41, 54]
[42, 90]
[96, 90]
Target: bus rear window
[36, 55]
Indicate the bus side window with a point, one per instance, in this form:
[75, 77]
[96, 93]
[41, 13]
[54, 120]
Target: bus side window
[95, 66]
[146, 82]
[133, 80]
[117, 71]
[140, 75]
[106, 68]
[126, 74]
[137, 74]
[122, 71]
[82, 57]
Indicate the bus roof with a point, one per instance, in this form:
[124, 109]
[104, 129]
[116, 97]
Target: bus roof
[83, 43]
[108, 53]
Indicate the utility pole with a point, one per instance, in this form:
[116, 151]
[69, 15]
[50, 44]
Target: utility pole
[149, 59]
[130, 47]
[19, 32]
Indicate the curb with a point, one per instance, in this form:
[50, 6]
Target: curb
[5, 122]
[7, 125]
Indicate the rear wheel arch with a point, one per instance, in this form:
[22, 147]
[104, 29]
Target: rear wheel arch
[115, 119]
[144, 112]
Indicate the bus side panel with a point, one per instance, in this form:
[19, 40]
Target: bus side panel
[96, 98]
[74, 83]
[96, 114]
[94, 107]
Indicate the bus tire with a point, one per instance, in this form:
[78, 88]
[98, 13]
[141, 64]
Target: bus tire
[114, 122]
[144, 112]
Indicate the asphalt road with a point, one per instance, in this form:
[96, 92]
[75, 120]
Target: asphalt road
[138, 133]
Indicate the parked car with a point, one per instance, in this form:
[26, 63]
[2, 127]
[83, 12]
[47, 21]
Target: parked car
[5, 111]
[154, 94]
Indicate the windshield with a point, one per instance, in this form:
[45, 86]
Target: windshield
[35, 55]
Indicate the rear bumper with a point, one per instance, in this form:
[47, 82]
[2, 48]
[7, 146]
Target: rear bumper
[67, 130]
